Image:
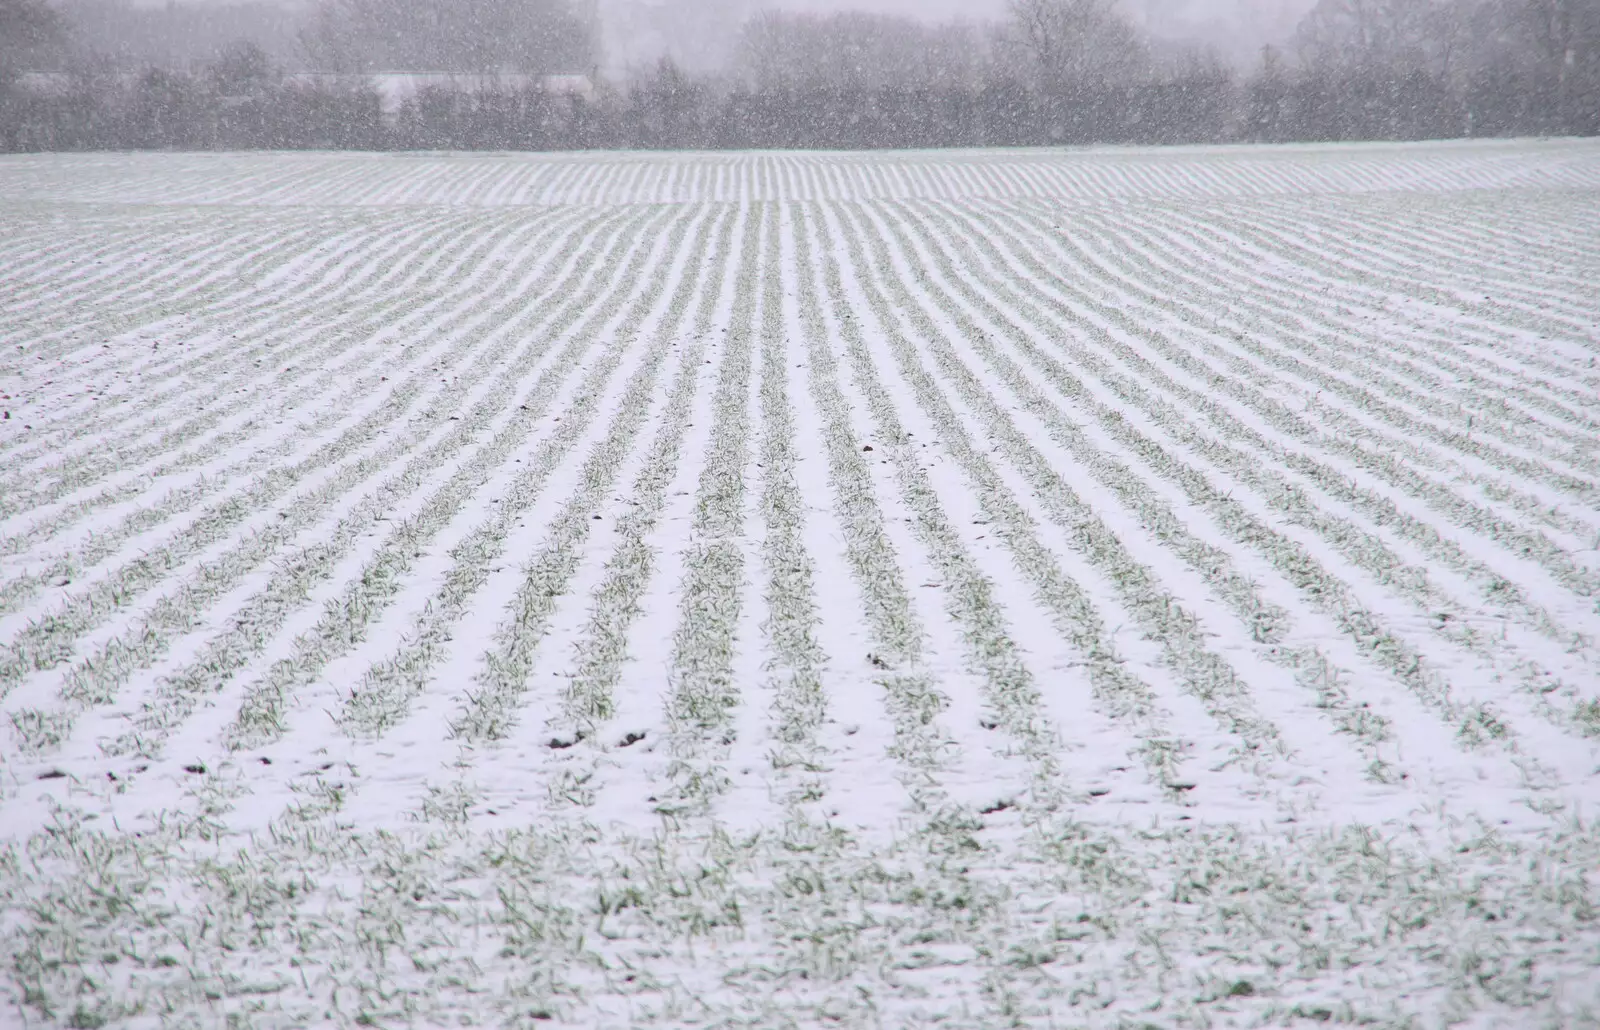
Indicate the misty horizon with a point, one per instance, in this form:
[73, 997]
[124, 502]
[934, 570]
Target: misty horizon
[699, 35]
[736, 74]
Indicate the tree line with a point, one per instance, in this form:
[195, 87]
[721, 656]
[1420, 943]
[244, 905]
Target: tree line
[1053, 72]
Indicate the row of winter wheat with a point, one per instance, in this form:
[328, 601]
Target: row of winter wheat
[1416, 170]
[832, 581]
[1141, 453]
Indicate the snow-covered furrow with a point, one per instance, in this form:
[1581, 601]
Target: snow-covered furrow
[1201, 675]
[331, 398]
[308, 179]
[256, 621]
[1339, 534]
[371, 331]
[794, 723]
[1380, 507]
[344, 621]
[1389, 238]
[375, 710]
[187, 368]
[1274, 351]
[210, 348]
[253, 625]
[703, 692]
[1232, 387]
[70, 357]
[1352, 411]
[102, 597]
[588, 709]
[215, 277]
[1112, 420]
[1282, 263]
[885, 589]
[225, 416]
[965, 305]
[907, 716]
[386, 689]
[342, 402]
[1365, 298]
[271, 706]
[109, 259]
[1159, 416]
[40, 260]
[1547, 369]
[1462, 238]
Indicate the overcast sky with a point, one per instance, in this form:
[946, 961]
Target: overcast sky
[640, 30]
[698, 32]
[1237, 14]
[932, 10]
[1189, 11]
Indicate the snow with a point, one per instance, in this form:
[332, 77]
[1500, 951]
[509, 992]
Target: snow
[802, 589]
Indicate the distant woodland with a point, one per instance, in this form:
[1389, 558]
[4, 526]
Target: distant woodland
[521, 74]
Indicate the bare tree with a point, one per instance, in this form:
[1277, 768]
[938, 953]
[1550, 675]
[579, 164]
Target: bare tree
[854, 50]
[1073, 42]
[328, 41]
[1398, 35]
[242, 69]
[1559, 28]
[29, 30]
[1565, 38]
[28, 22]
[1565, 33]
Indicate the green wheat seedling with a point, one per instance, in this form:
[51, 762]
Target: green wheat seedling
[954, 588]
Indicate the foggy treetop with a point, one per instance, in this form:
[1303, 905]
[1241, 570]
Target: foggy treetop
[695, 73]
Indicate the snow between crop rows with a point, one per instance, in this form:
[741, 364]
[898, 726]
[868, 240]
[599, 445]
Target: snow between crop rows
[1125, 588]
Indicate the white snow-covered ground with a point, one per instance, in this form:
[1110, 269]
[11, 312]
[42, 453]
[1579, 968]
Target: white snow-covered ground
[1111, 588]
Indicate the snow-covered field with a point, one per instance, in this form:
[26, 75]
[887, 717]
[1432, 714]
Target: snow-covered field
[1126, 588]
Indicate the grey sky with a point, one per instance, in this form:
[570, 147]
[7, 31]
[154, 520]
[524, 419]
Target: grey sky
[1188, 12]
[931, 10]
[698, 33]
[1181, 15]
